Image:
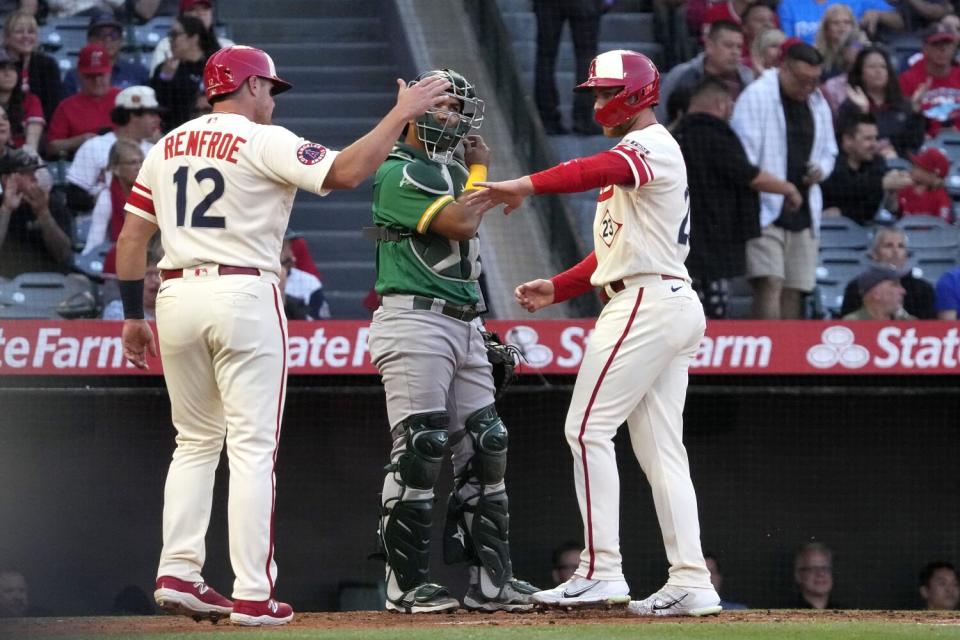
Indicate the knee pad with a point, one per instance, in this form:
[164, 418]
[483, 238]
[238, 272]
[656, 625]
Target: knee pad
[426, 439]
[490, 445]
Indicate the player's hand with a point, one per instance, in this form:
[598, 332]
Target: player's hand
[138, 340]
[509, 193]
[414, 101]
[535, 295]
[476, 151]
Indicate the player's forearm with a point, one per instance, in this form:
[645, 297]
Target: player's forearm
[132, 247]
[575, 281]
[358, 161]
[583, 174]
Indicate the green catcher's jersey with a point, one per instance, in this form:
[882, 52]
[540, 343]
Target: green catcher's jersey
[408, 192]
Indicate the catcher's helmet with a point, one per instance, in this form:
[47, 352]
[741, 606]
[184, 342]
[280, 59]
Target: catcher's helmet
[633, 71]
[441, 135]
[228, 69]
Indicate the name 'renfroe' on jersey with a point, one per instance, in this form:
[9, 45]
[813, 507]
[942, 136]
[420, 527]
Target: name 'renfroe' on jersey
[221, 188]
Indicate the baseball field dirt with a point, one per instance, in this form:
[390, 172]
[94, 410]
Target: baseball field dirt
[581, 625]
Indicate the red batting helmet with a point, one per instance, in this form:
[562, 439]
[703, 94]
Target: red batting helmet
[229, 68]
[633, 71]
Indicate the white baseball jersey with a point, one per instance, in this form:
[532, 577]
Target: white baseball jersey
[221, 187]
[644, 229]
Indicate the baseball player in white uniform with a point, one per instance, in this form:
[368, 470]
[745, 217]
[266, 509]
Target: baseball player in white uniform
[635, 366]
[220, 189]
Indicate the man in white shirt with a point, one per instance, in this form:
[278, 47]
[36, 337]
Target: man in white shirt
[136, 114]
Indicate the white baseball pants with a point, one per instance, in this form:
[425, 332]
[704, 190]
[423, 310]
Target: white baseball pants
[635, 370]
[223, 344]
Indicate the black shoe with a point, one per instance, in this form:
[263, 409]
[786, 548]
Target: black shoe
[587, 129]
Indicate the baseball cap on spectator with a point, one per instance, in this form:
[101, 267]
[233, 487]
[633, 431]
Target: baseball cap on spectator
[103, 19]
[186, 5]
[94, 59]
[939, 32]
[19, 160]
[879, 272]
[138, 98]
[933, 160]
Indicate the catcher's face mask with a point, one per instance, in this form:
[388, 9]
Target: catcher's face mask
[442, 128]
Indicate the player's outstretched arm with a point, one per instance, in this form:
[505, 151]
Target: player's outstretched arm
[510, 193]
[358, 161]
[132, 244]
[535, 295]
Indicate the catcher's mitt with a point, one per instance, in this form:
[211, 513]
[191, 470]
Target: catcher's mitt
[504, 358]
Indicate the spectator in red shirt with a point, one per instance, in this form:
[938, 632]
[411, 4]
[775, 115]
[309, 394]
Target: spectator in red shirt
[933, 83]
[23, 108]
[927, 196]
[86, 113]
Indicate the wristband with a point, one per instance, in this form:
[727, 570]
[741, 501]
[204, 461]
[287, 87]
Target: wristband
[131, 293]
[478, 173]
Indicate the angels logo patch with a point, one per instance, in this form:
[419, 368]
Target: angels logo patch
[311, 153]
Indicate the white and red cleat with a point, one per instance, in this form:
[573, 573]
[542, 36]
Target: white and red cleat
[193, 599]
[254, 613]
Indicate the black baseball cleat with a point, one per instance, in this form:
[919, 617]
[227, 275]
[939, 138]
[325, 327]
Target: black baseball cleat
[427, 598]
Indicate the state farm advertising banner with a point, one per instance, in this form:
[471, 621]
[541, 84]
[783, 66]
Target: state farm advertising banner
[39, 347]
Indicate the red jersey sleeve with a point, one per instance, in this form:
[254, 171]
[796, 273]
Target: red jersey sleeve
[575, 281]
[32, 109]
[583, 174]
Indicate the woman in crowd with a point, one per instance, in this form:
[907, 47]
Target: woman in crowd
[24, 109]
[177, 81]
[39, 73]
[835, 88]
[874, 89]
[201, 9]
[765, 50]
[124, 163]
[835, 28]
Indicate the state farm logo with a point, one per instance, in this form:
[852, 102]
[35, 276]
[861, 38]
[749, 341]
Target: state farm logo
[837, 347]
[526, 339]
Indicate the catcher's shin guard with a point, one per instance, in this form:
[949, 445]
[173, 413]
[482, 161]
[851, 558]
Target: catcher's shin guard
[407, 501]
[405, 537]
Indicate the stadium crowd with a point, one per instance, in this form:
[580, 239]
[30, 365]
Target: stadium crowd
[808, 128]
[77, 117]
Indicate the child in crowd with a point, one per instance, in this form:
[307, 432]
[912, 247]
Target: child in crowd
[927, 196]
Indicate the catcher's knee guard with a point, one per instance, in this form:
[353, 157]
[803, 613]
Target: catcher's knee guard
[405, 538]
[490, 445]
[426, 439]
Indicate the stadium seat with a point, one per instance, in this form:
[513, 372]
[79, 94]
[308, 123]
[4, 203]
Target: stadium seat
[47, 295]
[949, 143]
[91, 264]
[739, 299]
[933, 263]
[835, 269]
[840, 232]
[928, 232]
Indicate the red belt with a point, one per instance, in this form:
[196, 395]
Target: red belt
[223, 270]
[618, 285]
